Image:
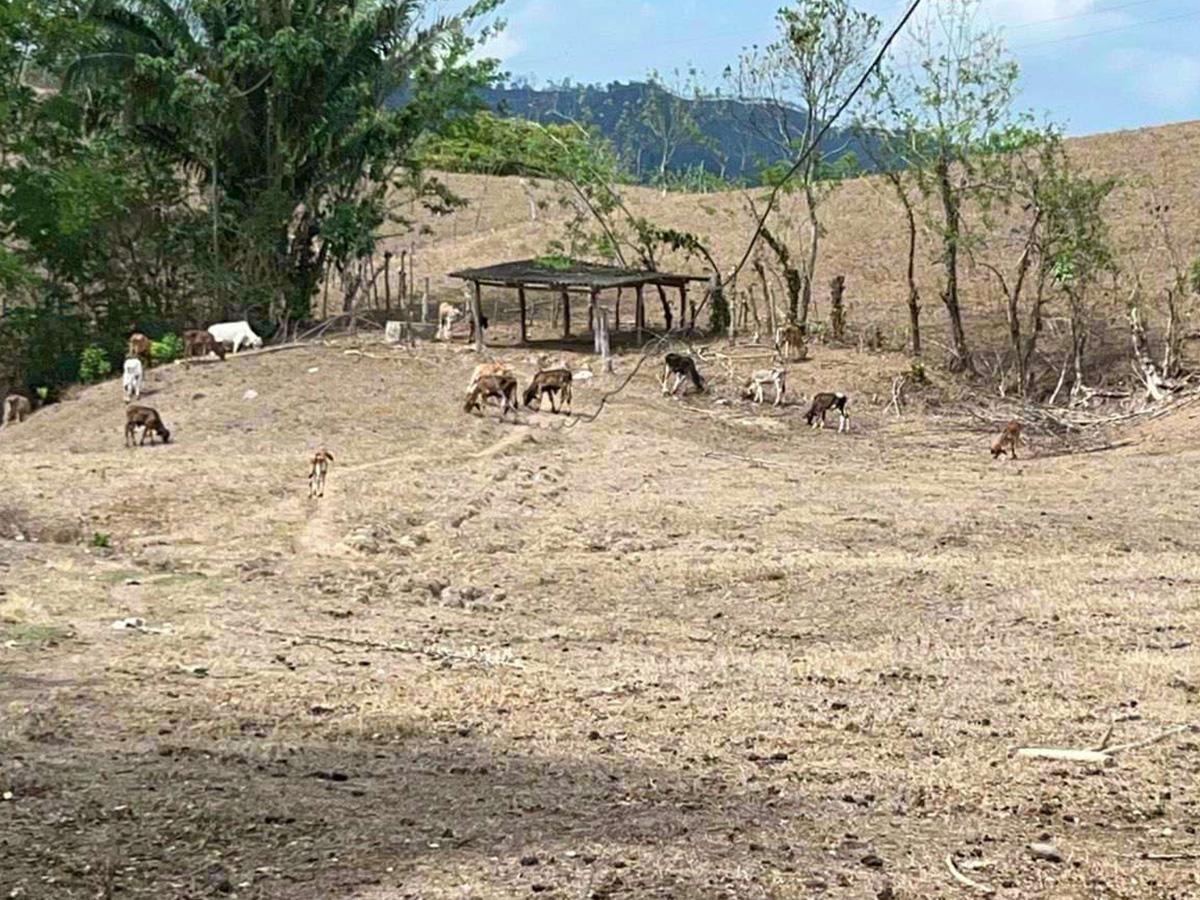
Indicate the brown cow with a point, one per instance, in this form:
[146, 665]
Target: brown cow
[148, 420]
[1008, 440]
[139, 346]
[197, 342]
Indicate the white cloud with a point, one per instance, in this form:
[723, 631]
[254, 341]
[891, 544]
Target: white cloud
[1026, 12]
[1168, 81]
[504, 46]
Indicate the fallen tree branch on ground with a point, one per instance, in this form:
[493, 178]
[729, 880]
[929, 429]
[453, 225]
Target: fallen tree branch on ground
[1103, 756]
[964, 880]
[209, 360]
[474, 655]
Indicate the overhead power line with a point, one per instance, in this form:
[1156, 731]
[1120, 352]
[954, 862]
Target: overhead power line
[1103, 31]
[820, 136]
[1081, 15]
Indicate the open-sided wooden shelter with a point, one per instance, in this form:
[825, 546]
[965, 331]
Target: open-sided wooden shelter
[571, 277]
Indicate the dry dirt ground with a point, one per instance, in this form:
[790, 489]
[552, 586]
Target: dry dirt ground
[687, 649]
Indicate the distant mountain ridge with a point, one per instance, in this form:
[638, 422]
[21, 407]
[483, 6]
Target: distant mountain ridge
[739, 137]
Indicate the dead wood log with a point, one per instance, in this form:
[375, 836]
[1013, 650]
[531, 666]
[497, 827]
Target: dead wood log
[964, 880]
[1065, 755]
[430, 652]
[207, 360]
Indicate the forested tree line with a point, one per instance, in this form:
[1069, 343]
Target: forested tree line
[165, 163]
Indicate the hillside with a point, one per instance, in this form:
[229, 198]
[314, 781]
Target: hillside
[738, 138]
[687, 649]
[865, 241]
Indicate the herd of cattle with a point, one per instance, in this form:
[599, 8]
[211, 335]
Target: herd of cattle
[489, 381]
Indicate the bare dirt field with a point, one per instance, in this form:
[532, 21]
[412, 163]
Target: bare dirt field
[687, 649]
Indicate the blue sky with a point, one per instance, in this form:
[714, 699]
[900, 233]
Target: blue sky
[1093, 65]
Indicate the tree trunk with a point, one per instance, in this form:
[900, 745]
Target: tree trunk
[914, 295]
[837, 311]
[811, 268]
[1156, 386]
[767, 298]
[1030, 337]
[960, 360]
[791, 275]
[1176, 329]
[666, 306]
[1079, 338]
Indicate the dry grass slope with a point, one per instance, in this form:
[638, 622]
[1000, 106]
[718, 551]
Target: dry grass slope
[866, 240]
[687, 650]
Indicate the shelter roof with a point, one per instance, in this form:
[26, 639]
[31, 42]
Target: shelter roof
[568, 273]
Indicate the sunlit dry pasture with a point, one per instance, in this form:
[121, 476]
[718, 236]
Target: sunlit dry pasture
[689, 648]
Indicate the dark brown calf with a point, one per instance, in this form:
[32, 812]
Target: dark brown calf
[148, 420]
[200, 343]
[555, 383]
[502, 387]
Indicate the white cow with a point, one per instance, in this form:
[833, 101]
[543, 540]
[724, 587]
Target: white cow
[131, 381]
[448, 314]
[239, 334]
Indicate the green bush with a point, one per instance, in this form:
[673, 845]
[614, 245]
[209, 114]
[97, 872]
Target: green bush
[169, 349]
[93, 364]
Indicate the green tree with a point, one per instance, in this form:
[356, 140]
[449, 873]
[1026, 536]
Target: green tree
[295, 116]
[663, 122]
[590, 172]
[955, 102]
[802, 77]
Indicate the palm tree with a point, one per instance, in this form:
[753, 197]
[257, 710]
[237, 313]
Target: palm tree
[298, 116]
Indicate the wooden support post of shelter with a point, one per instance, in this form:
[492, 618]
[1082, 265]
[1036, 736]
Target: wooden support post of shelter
[603, 347]
[683, 307]
[524, 315]
[387, 280]
[563, 278]
[639, 312]
[476, 304]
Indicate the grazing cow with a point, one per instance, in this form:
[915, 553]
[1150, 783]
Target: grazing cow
[488, 368]
[198, 342]
[821, 404]
[790, 341]
[131, 379]
[502, 387]
[483, 325]
[775, 376]
[139, 348]
[320, 468]
[148, 420]
[683, 367]
[448, 314]
[236, 334]
[1008, 440]
[554, 383]
[17, 408]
